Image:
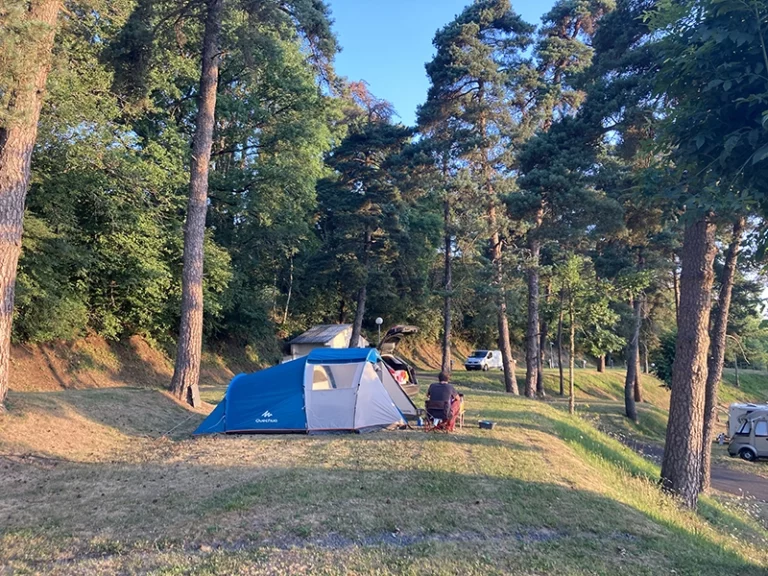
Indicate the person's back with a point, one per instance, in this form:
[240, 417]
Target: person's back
[443, 401]
[441, 392]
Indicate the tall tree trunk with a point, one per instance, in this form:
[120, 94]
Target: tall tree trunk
[543, 334]
[646, 367]
[17, 140]
[510, 381]
[717, 357]
[186, 372]
[532, 334]
[736, 368]
[572, 356]
[601, 363]
[681, 467]
[560, 343]
[638, 380]
[448, 287]
[342, 311]
[290, 291]
[630, 408]
[508, 362]
[362, 294]
[676, 287]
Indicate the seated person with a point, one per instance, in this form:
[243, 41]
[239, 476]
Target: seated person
[443, 401]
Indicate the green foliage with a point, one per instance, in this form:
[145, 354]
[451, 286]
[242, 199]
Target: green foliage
[663, 358]
[581, 130]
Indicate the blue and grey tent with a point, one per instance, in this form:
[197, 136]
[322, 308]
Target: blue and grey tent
[347, 389]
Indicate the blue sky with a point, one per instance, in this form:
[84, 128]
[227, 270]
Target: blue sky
[387, 43]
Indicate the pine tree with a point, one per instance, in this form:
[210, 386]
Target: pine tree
[27, 45]
[717, 353]
[361, 202]
[311, 18]
[561, 51]
[707, 69]
[186, 372]
[478, 77]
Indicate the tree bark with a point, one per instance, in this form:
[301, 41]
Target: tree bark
[601, 363]
[681, 467]
[448, 288]
[186, 372]
[638, 380]
[290, 292]
[630, 408]
[17, 140]
[572, 354]
[362, 294]
[676, 287]
[510, 381]
[717, 357]
[560, 343]
[532, 334]
[342, 311]
[543, 334]
[646, 366]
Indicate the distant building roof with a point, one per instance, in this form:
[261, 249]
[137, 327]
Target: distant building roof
[321, 334]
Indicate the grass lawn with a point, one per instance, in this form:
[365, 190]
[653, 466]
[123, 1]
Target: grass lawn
[109, 481]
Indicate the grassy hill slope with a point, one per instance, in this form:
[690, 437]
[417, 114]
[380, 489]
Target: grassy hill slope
[104, 481]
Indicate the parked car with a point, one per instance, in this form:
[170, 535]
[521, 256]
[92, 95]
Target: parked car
[402, 372]
[751, 439]
[484, 360]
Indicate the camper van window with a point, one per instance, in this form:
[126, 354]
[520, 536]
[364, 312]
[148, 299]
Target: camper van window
[745, 429]
[761, 428]
[333, 376]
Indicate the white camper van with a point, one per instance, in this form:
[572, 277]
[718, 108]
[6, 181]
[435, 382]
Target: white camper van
[737, 415]
[484, 360]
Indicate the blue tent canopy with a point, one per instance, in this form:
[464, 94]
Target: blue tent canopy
[268, 400]
[343, 355]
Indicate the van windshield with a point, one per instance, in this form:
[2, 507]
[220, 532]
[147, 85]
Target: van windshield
[479, 354]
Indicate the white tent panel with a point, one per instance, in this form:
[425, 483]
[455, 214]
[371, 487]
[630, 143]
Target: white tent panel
[374, 406]
[329, 395]
[398, 395]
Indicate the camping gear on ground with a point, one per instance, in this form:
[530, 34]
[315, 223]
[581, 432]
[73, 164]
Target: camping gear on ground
[330, 390]
[737, 414]
[750, 441]
[486, 424]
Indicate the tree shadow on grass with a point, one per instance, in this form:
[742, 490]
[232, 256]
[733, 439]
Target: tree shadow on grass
[136, 412]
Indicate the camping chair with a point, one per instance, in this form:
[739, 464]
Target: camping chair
[439, 416]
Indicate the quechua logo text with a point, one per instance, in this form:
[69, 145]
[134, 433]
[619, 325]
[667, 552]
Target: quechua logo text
[266, 418]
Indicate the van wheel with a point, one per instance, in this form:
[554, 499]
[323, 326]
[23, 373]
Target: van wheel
[747, 454]
[485, 367]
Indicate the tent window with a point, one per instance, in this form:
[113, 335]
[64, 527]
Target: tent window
[333, 376]
[761, 428]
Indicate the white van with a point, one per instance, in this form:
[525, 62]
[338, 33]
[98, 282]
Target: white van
[484, 360]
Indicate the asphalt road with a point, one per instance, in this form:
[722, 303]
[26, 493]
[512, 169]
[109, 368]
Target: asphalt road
[724, 479]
